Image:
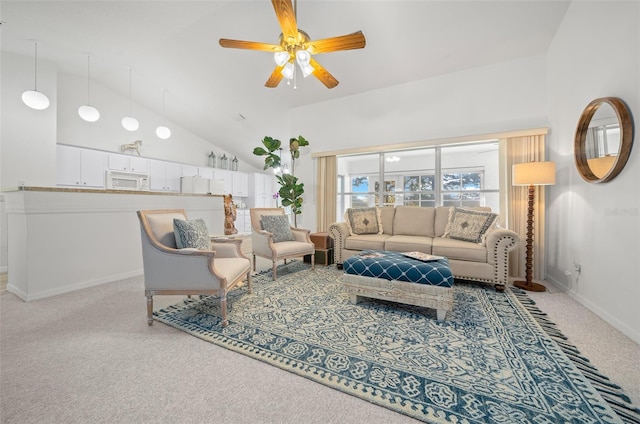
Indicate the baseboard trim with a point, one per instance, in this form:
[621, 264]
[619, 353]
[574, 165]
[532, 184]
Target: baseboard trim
[73, 287]
[611, 320]
[4, 278]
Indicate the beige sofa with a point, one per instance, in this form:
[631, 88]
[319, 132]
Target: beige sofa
[406, 228]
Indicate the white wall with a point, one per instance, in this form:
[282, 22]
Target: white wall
[108, 134]
[28, 144]
[596, 53]
[28, 137]
[503, 97]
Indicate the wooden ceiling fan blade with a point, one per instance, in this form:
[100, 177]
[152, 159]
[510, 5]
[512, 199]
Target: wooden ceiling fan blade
[275, 78]
[286, 18]
[322, 74]
[250, 45]
[333, 44]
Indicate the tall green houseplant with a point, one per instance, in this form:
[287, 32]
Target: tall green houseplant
[291, 190]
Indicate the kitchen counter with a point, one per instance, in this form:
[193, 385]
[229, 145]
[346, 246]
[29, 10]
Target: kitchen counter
[103, 191]
[64, 239]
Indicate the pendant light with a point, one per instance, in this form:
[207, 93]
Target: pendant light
[88, 112]
[162, 131]
[33, 98]
[128, 122]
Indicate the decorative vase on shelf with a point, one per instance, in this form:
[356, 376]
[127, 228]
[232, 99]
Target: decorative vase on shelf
[212, 160]
[224, 162]
[234, 164]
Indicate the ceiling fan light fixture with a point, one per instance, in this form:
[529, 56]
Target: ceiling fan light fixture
[303, 57]
[306, 70]
[288, 70]
[281, 58]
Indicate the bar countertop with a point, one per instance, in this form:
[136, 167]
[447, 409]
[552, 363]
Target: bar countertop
[103, 191]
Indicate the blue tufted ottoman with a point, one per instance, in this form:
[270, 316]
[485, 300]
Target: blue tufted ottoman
[398, 278]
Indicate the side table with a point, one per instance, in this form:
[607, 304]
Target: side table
[324, 249]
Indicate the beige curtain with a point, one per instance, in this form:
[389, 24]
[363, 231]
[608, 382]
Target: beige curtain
[519, 150]
[326, 193]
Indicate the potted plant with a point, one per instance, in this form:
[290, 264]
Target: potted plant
[291, 190]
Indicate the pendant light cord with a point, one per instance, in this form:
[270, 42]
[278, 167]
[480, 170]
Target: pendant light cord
[88, 79]
[129, 91]
[35, 67]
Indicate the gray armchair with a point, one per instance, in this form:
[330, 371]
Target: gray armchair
[170, 271]
[263, 244]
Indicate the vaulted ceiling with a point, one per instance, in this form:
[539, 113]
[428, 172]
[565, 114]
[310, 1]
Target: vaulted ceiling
[173, 45]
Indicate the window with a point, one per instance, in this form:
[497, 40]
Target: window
[462, 188]
[419, 190]
[456, 175]
[360, 184]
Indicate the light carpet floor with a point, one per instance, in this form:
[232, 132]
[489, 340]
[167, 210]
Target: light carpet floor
[89, 357]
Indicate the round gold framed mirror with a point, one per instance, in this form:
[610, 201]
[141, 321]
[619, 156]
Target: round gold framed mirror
[603, 139]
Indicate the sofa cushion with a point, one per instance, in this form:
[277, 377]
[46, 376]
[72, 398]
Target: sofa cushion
[458, 249]
[413, 221]
[441, 220]
[402, 243]
[191, 234]
[278, 226]
[469, 225]
[364, 220]
[387, 213]
[366, 242]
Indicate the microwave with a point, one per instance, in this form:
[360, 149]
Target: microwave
[118, 180]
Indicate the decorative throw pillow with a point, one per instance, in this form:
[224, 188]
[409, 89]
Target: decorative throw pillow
[279, 226]
[191, 234]
[468, 225]
[364, 221]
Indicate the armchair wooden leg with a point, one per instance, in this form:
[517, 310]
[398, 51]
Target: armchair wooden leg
[223, 309]
[313, 260]
[254, 263]
[149, 308]
[273, 268]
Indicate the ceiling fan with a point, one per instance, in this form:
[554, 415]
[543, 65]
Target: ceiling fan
[295, 45]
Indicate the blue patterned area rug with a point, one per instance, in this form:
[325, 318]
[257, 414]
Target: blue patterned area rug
[494, 359]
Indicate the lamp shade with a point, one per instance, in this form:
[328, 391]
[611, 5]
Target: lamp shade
[89, 113]
[281, 58]
[130, 123]
[534, 173]
[35, 99]
[163, 132]
[288, 70]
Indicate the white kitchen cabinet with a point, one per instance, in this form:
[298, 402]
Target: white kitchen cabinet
[197, 171]
[206, 172]
[189, 171]
[164, 176]
[243, 221]
[224, 175]
[261, 190]
[76, 166]
[240, 187]
[118, 162]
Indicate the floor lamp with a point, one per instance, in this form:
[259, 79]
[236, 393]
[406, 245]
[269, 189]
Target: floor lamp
[532, 174]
